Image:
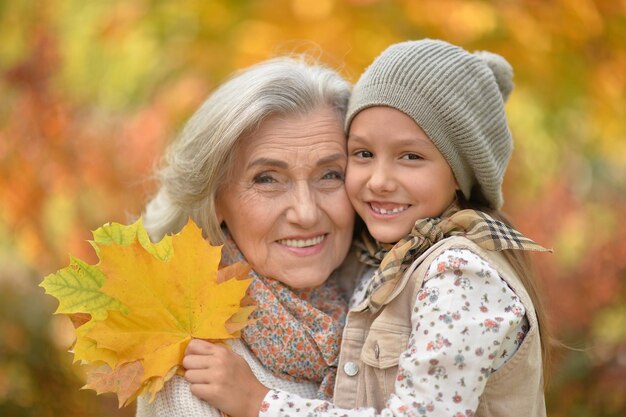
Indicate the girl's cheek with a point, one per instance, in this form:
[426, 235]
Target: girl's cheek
[351, 188]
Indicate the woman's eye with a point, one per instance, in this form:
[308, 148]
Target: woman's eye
[411, 156]
[333, 175]
[363, 154]
[263, 179]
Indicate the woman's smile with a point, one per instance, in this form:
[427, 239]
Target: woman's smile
[302, 242]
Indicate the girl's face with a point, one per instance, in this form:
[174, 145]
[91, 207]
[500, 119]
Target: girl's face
[395, 174]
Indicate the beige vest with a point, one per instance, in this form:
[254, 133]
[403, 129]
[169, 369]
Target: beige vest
[372, 345]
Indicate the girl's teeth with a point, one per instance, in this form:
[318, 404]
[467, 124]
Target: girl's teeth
[392, 211]
[302, 243]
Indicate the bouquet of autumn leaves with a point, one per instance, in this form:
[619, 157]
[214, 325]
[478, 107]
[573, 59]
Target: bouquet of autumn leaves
[135, 311]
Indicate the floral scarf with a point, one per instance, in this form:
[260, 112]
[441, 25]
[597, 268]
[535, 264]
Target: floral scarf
[392, 260]
[296, 334]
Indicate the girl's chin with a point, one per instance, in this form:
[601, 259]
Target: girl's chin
[391, 238]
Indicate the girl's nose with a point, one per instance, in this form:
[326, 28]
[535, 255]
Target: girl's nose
[381, 181]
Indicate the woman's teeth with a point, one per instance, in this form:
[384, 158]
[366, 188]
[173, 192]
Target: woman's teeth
[395, 210]
[302, 243]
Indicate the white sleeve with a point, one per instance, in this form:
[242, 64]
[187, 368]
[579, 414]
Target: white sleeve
[175, 400]
[463, 316]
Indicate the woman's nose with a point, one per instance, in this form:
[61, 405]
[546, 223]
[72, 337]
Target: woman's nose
[304, 210]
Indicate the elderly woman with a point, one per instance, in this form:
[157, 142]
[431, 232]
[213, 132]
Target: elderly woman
[260, 167]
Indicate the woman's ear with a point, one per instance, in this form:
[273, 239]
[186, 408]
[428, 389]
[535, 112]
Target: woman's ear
[218, 212]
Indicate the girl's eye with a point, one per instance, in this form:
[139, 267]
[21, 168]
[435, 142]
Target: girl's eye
[363, 154]
[411, 156]
[263, 178]
[333, 175]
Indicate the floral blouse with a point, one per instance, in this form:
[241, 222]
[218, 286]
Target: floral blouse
[466, 322]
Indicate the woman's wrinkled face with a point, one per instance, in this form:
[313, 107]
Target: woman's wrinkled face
[285, 204]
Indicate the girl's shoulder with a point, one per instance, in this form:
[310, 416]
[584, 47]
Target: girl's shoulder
[457, 254]
[456, 247]
[460, 261]
[448, 258]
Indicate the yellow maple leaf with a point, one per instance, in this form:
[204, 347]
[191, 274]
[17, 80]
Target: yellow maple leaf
[169, 302]
[137, 309]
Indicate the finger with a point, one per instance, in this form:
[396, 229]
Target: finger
[198, 376]
[199, 346]
[196, 362]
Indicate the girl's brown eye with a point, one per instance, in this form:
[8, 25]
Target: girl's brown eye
[363, 154]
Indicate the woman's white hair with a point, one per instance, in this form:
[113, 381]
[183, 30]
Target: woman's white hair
[198, 162]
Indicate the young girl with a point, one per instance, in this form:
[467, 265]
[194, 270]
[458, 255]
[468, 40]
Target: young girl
[445, 321]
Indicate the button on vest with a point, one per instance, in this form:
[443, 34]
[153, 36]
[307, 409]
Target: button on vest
[351, 368]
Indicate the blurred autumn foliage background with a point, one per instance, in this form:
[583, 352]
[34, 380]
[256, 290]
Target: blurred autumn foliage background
[91, 91]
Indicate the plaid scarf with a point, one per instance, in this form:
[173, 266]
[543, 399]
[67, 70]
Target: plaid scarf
[392, 260]
[296, 334]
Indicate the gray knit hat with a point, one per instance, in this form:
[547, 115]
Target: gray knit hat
[456, 97]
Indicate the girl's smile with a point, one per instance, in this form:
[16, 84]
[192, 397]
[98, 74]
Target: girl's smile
[387, 209]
